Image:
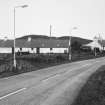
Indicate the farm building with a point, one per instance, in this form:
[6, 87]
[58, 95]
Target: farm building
[96, 43]
[35, 45]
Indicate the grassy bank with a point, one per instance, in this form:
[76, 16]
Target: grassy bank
[93, 92]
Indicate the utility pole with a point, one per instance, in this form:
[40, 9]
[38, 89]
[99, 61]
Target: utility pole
[50, 30]
[69, 48]
[50, 36]
[14, 65]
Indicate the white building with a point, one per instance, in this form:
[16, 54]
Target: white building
[39, 45]
[96, 43]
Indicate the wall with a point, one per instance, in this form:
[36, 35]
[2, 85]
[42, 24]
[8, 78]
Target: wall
[5, 50]
[42, 50]
[54, 50]
[26, 50]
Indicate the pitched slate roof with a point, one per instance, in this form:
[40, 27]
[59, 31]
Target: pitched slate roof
[7, 43]
[34, 43]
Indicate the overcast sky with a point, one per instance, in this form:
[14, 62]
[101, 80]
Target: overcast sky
[87, 15]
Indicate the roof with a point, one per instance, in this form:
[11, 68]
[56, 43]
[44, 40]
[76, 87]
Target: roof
[93, 44]
[34, 43]
[98, 44]
[102, 42]
[7, 43]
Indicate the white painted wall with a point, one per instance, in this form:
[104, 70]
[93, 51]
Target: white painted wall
[54, 50]
[33, 51]
[59, 50]
[42, 50]
[17, 49]
[5, 50]
[26, 50]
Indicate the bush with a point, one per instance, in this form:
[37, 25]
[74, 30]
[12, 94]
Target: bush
[60, 58]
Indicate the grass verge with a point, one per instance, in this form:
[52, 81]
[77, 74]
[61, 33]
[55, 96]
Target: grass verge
[30, 63]
[93, 92]
[33, 62]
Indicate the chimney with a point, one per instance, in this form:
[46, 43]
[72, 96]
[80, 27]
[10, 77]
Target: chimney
[29, 39]
[5, 38]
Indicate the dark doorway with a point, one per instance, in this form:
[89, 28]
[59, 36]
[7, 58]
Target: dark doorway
[38, 50]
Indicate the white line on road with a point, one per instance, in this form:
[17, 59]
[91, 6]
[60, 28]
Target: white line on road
[54, 76]
[86, 65]
[97, 61]
[6, 78]
[59, 73]
[12, 93]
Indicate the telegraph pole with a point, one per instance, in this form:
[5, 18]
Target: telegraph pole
[69, 49]
[50, 30]
[50, 36]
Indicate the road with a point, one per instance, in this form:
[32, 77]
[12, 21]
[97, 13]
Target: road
[58, 85]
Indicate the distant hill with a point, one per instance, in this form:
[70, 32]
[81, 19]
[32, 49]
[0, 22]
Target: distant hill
[73, 39]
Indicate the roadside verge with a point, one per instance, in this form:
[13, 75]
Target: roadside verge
[93, 92]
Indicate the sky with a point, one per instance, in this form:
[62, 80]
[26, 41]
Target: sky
[87, 15]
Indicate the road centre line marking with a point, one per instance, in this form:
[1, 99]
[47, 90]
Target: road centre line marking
[6, 78]
[51, 77]
[12, 93]
[86, 65]
[97, 61]
[59, 73]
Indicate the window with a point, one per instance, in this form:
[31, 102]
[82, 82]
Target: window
[51, 48]
[38, 50]
[20, 49]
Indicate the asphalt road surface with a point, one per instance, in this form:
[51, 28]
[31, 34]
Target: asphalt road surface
[58, 85]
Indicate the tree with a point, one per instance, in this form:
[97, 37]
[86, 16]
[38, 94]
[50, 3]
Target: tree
[76, 46]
